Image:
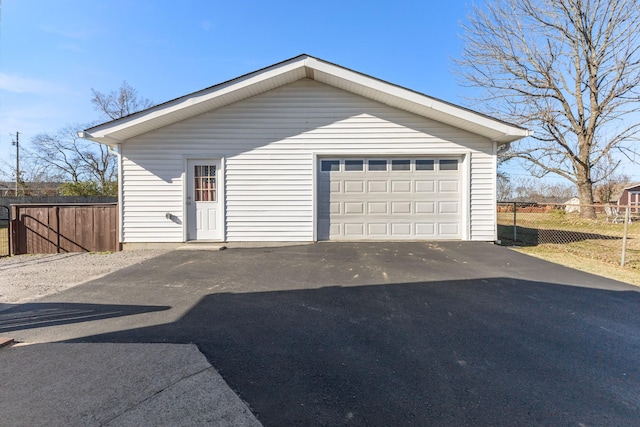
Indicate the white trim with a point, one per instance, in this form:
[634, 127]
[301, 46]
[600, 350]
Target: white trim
[494, 158]
[392, 153]
[222, 183]
[213, 155]
[314, 198]
[106, 140]
[120, 193]
[185, 191]
[466, 195]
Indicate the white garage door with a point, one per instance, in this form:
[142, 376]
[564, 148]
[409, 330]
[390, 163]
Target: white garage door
[392, 199]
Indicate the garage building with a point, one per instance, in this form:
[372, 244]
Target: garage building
[306, 150]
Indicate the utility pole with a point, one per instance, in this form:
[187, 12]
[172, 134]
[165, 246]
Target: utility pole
[17, 144]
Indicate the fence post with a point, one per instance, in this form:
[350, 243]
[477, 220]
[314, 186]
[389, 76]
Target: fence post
[8, 228]
[515, 231]
[15, 230]
[58, 229]
[624, 237]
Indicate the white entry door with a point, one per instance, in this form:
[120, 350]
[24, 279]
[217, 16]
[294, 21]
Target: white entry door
[203, 200]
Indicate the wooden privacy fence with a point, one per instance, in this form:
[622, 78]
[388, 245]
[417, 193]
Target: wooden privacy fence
[47, 228]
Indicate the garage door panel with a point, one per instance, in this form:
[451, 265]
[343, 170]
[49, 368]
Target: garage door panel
[377, 208]
[354, 186]
[401, 207]
[351, 208]
[425, 186]
[378, 229]
[425, 207]
[377, 186]
[401, 229]
[448, 186]
[425, 229]
[401, 186]
[354, 229]
[335, 229]
[451, 229]
[421, 202]
[448, 208]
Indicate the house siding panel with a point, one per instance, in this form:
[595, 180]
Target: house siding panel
[268, 143]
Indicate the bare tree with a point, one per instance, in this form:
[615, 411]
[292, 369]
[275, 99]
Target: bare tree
[74, 159]
[530, 189]
[62, 151]
[504, 188]
[569, 69]
[120, 103]
[35, 177]
[86, 168]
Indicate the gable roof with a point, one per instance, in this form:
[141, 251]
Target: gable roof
[619, 190]
[289, 71]
[632, 186]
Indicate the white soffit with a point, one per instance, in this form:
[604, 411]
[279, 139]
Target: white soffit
[290, 71]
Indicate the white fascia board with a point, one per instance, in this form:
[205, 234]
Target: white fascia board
[496, 129]
[105, 140]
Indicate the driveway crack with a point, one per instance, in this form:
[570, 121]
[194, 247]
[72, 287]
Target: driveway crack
[150, 397]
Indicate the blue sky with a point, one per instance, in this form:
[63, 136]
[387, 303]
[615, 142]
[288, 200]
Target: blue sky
[52, 53]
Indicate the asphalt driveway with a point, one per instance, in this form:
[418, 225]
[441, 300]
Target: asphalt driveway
[376, 334]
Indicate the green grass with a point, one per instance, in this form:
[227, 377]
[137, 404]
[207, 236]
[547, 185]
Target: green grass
[559, 256]
[594, 246]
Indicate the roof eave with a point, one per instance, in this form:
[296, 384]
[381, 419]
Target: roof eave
[105, 140]
[303, 66]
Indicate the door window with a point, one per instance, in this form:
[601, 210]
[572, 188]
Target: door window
[205, 183]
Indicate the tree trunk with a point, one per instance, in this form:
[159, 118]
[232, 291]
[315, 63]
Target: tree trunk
[585, 192]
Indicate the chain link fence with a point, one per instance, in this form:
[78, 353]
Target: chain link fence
[612, 237]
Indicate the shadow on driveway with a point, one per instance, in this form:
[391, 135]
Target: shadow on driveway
[40, 315]
[485, 351]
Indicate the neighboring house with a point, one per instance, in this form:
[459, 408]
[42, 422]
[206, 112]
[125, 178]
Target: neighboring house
[306, 150]
[631, 197]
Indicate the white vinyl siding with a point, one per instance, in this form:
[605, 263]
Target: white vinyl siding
[270, 143]
[482, 194]
[269, 199]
